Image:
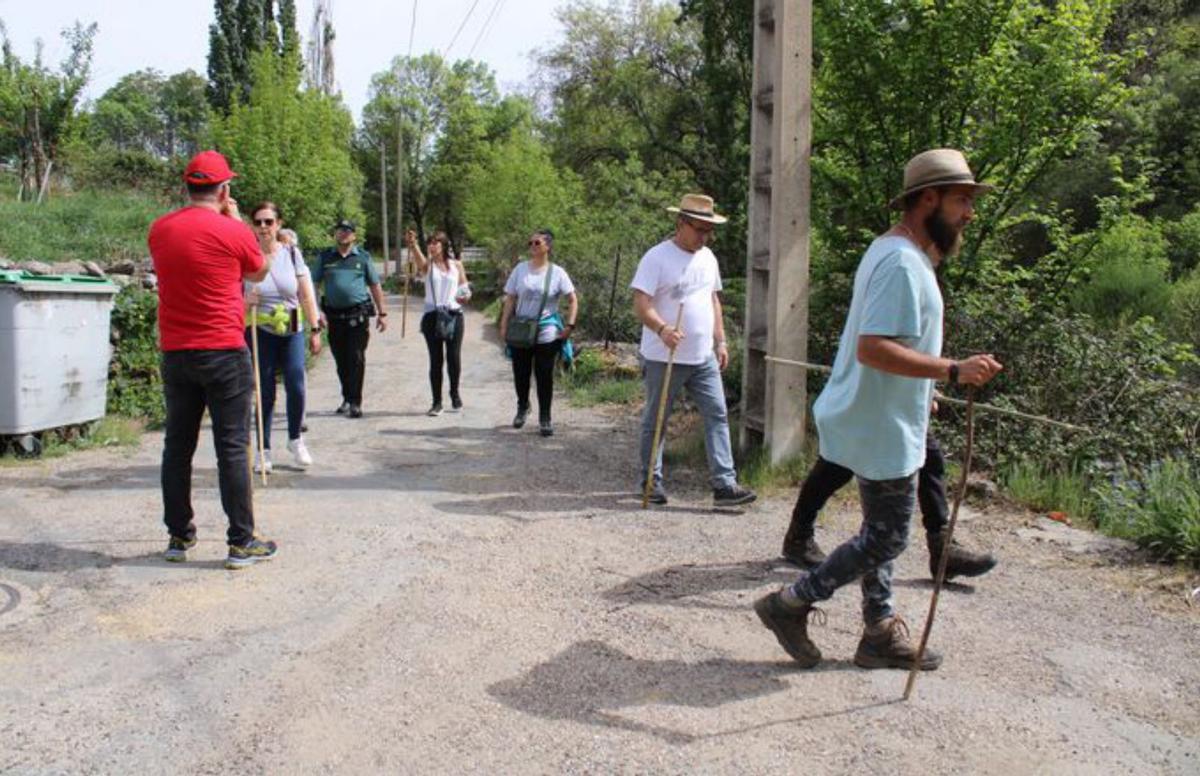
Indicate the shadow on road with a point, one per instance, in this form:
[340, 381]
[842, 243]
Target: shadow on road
[58, 558]
[590, 682]
[682, 585]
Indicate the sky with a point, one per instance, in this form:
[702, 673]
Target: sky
[172, 35]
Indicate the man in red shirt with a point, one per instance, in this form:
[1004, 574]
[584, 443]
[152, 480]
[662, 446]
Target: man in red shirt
[201, 253]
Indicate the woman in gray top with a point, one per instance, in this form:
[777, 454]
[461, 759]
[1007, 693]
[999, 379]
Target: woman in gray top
[280, 297]
[533, 292]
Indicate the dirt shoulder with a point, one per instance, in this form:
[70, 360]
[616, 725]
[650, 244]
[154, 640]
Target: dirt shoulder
[452, 596]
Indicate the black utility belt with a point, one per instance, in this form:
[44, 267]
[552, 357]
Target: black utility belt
[352, 313]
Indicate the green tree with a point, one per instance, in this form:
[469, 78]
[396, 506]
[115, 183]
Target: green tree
[224, 55]
[38, 106]
[289, 37]
[448, 114]
[292, 147]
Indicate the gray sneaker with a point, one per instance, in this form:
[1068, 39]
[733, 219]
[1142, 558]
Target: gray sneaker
[177, 549]
[790, 626]
[732, 496]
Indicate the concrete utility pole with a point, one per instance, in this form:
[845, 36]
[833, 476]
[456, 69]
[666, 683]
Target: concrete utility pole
[774, 399]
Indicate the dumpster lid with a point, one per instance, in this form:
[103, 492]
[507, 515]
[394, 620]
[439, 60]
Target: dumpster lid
[75, 284]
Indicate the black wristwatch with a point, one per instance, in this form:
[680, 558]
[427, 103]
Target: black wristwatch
[954, 373]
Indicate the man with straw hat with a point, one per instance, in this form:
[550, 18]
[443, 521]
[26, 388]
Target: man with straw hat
[201, 253]
[873, 415]
[683, 335]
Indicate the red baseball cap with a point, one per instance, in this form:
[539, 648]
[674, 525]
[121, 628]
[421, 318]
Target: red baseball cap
[208, 168]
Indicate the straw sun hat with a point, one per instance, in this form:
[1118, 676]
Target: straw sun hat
[937, 167]
[699, 207]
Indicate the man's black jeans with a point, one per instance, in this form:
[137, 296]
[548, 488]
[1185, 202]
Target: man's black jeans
[221, 380]
[827, 478]
[348, 341]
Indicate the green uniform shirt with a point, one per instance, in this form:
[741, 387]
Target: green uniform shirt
[346, 279]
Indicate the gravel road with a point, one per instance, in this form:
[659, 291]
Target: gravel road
[455, 596]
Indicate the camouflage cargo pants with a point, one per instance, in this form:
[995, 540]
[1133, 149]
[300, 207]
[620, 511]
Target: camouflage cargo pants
[888, 507]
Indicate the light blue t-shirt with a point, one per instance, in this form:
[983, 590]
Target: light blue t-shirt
[872, 422]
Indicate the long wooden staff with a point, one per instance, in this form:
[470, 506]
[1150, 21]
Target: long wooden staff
[258, 411]
[662, 410]
[404, 299]
[941, 571]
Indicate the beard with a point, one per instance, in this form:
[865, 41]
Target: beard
[947, 239]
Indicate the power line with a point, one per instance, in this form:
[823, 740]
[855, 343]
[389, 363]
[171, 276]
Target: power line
[486, 26]
[458, 32]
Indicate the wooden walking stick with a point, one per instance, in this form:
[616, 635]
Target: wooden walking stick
[258, 412]
[940, 579]
[404, 300]
[662, 409]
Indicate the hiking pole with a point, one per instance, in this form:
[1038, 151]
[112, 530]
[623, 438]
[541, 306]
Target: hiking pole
[404, 299]
[662, 410]
[258, 416]
[940, 579]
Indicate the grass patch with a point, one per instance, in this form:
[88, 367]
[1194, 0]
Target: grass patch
[1049, 490]
[110, 431]
[596, 378]
[90, 225]
[1160, 511]
[493, 309]
[757, 472]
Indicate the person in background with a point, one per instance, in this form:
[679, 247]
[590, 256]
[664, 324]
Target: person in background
[280, 297]
[681, 275]
[533, 291]
[351, 283]
[446, 289]
[201, 254]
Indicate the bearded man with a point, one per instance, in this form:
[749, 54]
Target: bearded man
[873, 415]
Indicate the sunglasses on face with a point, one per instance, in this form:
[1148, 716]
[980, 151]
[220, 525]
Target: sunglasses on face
[534, 243]
[697, 228]
[264, 222]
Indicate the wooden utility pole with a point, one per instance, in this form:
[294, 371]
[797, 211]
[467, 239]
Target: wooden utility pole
[383, 198]
[774, 398]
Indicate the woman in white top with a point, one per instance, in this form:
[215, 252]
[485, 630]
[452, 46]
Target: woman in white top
[446, 289]
[280, 297]
[531, 293]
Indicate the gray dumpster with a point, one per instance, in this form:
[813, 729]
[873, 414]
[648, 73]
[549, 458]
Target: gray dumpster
[54, 350]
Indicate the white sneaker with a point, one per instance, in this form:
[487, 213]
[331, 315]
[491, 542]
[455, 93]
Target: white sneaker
[263, 461]
[300, 452]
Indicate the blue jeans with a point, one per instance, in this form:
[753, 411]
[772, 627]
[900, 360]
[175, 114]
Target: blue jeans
[281, 353]
[704, 388]
[888, 507]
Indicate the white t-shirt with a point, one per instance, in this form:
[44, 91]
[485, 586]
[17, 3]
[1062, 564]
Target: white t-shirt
[282, 284]
[671, 275]
[444, 284]
[527, 287]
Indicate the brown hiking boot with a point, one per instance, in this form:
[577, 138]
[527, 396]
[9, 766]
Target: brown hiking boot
[885, 644]
[961, 563]
[803, 551]
[790, 626]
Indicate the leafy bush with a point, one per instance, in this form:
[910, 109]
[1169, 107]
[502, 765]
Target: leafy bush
[1183, 243]
[134, 382]
[1129, 276]
[106, 168]
[1185, 309]
[1160, 510]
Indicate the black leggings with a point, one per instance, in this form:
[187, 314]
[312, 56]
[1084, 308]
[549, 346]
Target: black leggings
[540, 360]
[826, 478]
[449, 352]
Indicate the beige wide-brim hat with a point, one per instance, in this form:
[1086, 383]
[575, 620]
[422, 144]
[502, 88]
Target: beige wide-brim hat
[937, 167]
[699, 207]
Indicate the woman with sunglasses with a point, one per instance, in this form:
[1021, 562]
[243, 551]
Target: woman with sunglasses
[532, 292]
[446, 289]
[279, 298]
